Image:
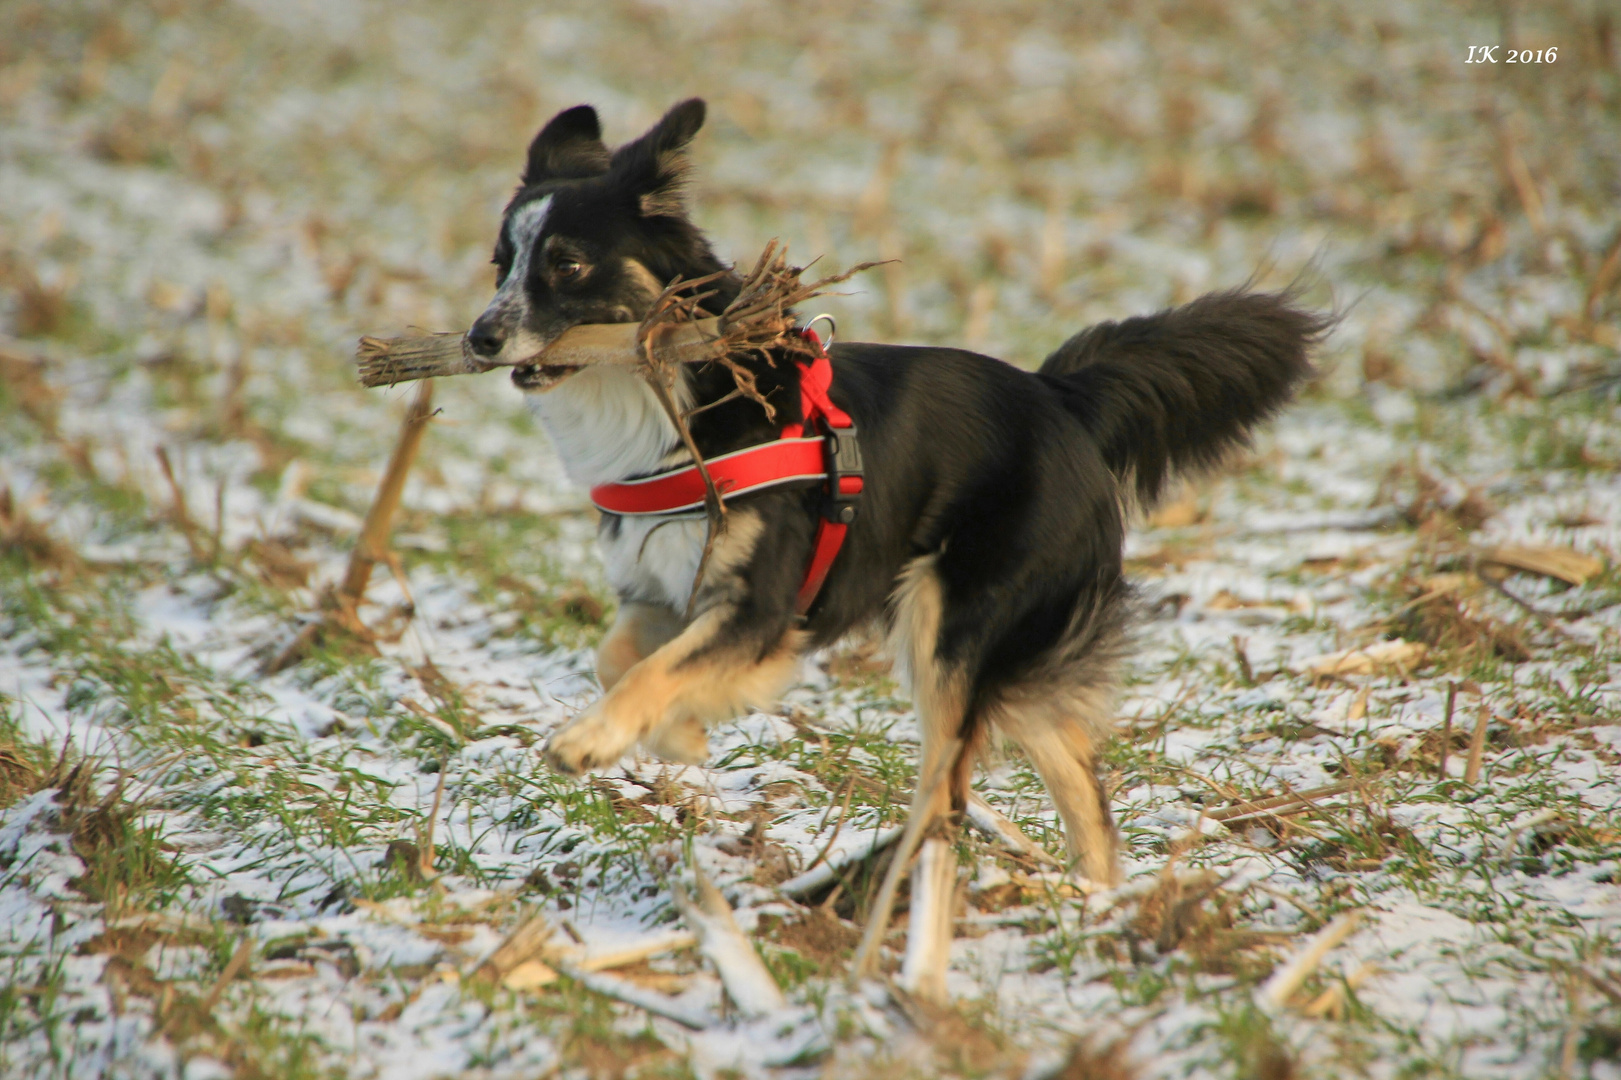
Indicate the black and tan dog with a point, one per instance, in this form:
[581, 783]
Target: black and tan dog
[990, 531]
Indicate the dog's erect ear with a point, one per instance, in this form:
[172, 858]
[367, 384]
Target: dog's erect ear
[655, 165]
[569, 147]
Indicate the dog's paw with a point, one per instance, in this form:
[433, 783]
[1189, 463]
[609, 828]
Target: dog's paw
[683, 741]
[584, 745]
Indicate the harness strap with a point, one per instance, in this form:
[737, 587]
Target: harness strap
[845, 481]
[834, 459]
[771, 464]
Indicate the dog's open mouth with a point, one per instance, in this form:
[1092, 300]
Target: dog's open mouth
[541, 376]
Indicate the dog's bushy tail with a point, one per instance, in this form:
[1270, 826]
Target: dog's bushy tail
[1179, 389]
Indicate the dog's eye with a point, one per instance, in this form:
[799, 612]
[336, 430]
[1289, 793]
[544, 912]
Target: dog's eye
[567, 268]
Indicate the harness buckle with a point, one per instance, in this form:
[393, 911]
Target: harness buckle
[841, 451]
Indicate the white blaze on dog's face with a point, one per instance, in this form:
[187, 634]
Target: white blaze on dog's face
[509, 309]
[589, 238]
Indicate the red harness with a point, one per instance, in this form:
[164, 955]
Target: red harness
[834, 458]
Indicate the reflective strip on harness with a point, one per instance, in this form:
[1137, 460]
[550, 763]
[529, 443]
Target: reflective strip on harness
[785, 461]
[790, 459]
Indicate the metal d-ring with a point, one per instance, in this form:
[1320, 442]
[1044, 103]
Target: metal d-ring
[832, 326]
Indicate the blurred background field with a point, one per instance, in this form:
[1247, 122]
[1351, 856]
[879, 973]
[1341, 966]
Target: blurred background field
[203, 205]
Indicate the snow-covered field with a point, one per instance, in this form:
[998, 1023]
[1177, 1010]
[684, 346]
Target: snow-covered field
[359, 866]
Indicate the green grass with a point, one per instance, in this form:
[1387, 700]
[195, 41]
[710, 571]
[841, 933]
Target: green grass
[312, 181]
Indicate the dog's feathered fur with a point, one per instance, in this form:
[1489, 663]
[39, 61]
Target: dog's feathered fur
[990, 531]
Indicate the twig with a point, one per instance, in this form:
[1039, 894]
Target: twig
[748, 983]
[1304, 908]
[426, 850]
[670, 941]
[1446, 728]
[714, 507]
[1275, 993]
[1543, 619]
[759, 320]
[918, 822]
[1477, 746]
[233, 968]
[991, 821]
[1608, 272]
[527, 940]
[182, 516]
[928, 934]
[373, 541]
[811, 880]
[844, 811]
[646, 1000]
[1519, 176]
[1250, 808]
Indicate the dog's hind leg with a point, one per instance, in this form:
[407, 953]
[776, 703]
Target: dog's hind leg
[940, 694]
[1062, 746]
[1060, 711]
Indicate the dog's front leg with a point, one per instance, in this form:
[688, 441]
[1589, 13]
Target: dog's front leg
[713, 670]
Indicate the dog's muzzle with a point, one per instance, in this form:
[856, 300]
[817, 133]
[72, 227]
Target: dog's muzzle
[487, 340]
[541, 376]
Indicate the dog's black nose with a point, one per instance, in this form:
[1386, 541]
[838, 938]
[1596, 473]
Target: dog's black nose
[485, 338]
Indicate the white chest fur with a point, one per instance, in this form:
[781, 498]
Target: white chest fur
[654, 559]
[607, 425]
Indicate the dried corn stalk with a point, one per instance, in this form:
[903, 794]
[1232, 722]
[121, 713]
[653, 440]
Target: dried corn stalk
[387, 361]
[759, 320]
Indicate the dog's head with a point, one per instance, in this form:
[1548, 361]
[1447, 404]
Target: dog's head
[590, 237]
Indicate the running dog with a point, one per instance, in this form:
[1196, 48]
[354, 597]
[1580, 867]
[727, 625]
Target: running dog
[989, 532]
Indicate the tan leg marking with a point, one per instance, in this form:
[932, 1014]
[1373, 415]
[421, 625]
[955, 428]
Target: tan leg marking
[637, 631]
[1056, 732]
[680, 681]
[940, 695]
[684, 741]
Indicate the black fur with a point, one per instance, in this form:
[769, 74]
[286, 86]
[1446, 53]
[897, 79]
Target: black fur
[1178, 389]
[1014, 482]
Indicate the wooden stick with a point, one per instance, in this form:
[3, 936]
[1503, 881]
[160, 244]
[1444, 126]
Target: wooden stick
[748, 983]
[928, 934]
[819, 877]
[1446, 728]
[1248, 808]
[1477, 746]
[646, 1000]
[1274, 993]
[989, 820]
[372, 544]
[759, 320]
[386, 361]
